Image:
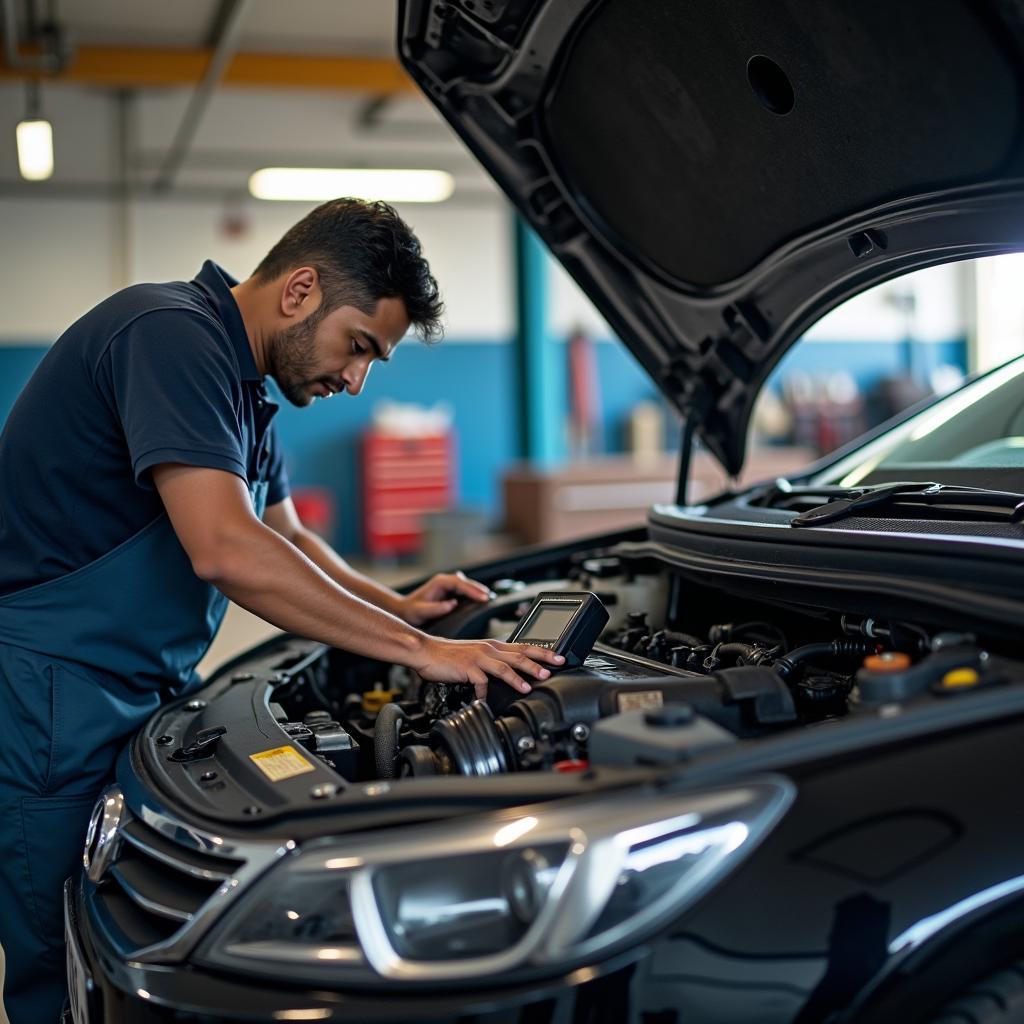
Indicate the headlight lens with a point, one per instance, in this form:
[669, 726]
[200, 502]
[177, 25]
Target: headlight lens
[540, 888]
[480, 904]
[305, 918]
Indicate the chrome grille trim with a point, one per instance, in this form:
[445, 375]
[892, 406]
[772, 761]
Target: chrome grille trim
[244, 862]
[150, 850]
[137, 897]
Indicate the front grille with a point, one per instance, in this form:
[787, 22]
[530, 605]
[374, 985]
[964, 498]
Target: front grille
[155, 886]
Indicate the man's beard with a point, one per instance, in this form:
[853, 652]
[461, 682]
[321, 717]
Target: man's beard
[292, 360]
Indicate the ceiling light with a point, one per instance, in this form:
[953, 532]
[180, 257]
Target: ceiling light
[35, 150]
[318, 184]
[35, 139]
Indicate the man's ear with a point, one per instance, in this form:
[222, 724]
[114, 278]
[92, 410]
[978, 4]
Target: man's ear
[300, 294]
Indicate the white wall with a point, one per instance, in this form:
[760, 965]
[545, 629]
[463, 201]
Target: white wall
[570, 309]
[940, 310]
[999, 296]
[55, 263]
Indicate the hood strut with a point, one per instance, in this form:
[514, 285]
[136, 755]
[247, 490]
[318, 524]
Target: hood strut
[685, 452]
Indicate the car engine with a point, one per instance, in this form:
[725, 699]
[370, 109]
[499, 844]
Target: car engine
[676, 671]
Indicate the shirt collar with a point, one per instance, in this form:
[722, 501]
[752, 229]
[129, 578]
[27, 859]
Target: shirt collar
[217, 284]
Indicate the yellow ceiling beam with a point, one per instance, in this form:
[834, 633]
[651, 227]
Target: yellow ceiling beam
[138, 68]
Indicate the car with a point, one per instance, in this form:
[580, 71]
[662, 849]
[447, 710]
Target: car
[783, 783]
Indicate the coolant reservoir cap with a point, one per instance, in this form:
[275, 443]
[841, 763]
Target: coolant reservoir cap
[887, 661]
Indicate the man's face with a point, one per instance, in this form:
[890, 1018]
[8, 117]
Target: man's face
[320, 356]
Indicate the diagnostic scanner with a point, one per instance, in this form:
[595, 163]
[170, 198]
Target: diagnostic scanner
[566, 622]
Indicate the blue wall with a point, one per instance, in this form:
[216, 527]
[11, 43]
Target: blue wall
[16, 365]
[477, 380]
[623, 383]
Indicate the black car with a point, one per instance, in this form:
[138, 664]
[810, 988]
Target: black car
[784, 784]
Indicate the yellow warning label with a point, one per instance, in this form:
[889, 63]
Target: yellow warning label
[281, 763]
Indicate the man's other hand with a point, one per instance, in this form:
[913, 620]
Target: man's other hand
[473, 661]
[438, 596]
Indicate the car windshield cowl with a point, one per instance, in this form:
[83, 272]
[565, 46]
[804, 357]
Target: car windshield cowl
[918, 498]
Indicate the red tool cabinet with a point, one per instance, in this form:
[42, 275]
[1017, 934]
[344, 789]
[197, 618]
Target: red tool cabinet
[403, 477]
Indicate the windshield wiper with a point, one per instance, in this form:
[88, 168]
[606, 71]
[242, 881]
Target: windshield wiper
[782, 493]
[957, 502]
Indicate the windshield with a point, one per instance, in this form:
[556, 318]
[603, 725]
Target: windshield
[973, 436]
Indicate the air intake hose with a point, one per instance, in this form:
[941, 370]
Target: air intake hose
[385, 740]
[792, 663]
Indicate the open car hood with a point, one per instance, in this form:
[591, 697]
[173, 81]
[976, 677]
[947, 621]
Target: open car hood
[717, 174]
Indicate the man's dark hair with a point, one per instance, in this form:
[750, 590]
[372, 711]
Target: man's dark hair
[363, 252]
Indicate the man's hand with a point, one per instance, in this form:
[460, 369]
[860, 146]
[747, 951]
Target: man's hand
[437, 597]
[472, 661]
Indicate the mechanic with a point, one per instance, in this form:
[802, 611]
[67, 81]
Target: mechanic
[141, 487]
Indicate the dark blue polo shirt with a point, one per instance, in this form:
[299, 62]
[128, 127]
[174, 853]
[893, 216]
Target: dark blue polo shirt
[156, 373]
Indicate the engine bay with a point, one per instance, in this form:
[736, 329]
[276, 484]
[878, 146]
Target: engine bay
[677, 671]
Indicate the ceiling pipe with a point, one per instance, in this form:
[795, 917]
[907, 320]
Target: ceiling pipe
[55, 51]
[227, 28]
[208, 159]
[124, 135]
[372, 111]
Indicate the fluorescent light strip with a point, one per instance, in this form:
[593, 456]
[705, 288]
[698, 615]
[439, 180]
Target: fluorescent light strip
[322, 183]
[35, 150]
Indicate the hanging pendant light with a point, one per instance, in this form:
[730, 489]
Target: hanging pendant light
[35, 140]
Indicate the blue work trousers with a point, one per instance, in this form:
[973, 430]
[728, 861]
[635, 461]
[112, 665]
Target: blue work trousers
[57, 752]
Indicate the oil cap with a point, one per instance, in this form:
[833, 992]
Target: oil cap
[959, 679]
[375, 699]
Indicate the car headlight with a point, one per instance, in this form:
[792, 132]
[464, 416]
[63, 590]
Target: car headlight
[533, 888]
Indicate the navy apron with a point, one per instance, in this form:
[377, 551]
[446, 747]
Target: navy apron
[85, 659]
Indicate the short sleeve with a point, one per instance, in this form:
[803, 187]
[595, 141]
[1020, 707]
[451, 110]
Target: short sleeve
[177, 392]
[278, 487]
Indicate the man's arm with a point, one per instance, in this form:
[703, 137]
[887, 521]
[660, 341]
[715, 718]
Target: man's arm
[417, 608]
[259, 569]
